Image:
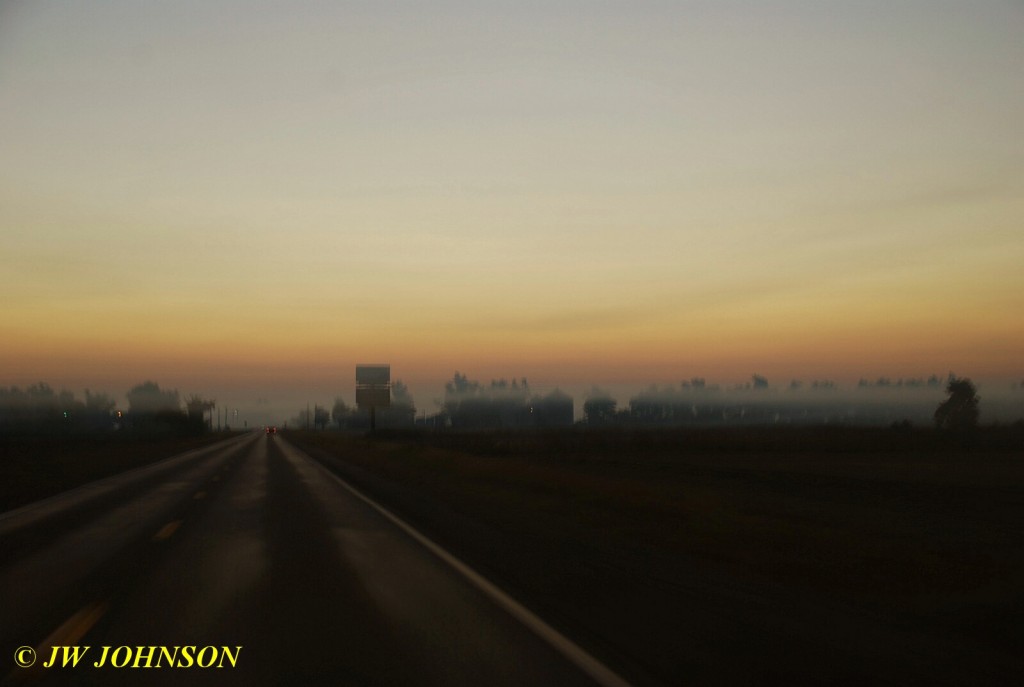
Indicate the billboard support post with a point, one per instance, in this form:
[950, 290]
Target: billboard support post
[373, 389]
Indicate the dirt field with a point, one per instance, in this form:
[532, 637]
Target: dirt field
[733, 556]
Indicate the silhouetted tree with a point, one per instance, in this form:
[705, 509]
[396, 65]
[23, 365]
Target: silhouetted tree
[304, 420]
[97, 414]
[198, 407]
[959, 412]
[551, 410]
[99, 403]
[599, 408]
[470, 405]
[149, 398]
[153, 412]
[341, 413]
[461, 385]
[402, 412]
[38, 408]
[321, 417]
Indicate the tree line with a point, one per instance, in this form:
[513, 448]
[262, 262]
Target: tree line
[40, 408]
[467, 404]
[470, 404]
[696, 403]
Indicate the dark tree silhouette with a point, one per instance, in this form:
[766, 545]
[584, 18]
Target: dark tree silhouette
[149, 398]
[959, 412]
[461, 385]
[198, 407]
[402, 412]
[341, 413]
[599, 408]
[39, 408]
[154, 412]
[551, 410]
[321, 417]
[471, 405]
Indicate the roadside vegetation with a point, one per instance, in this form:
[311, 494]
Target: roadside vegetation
[51, 441]
[35, 467]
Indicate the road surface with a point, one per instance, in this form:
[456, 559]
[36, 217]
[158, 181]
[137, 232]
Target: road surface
[262, 568]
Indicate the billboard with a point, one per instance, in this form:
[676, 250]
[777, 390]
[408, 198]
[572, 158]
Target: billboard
[373, 375]
[373, 387]
[373, 396]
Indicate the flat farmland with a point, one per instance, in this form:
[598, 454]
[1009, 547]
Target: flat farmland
[732, 556]
[35, 467]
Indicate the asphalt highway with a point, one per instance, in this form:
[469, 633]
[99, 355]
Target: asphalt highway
[262, 568]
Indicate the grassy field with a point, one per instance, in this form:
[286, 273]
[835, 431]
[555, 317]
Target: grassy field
[733, 556]
[33, 467]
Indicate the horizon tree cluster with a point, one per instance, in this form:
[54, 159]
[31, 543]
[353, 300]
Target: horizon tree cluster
[503, 404]
[959, 412]
[41, 409]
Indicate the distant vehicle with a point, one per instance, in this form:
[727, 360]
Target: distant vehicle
[271, 430]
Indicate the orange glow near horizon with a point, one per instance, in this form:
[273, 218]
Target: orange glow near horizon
[653, 195]
[719, 350]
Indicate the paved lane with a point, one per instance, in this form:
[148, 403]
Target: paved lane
[61, 553]
[277, 556]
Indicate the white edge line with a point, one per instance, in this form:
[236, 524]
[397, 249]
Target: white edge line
[601, 673]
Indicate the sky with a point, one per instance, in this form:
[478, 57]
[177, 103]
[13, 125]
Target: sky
[250, 198]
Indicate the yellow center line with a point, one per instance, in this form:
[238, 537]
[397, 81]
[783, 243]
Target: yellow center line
[68, 634]
[75, 627]
[167, 530]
